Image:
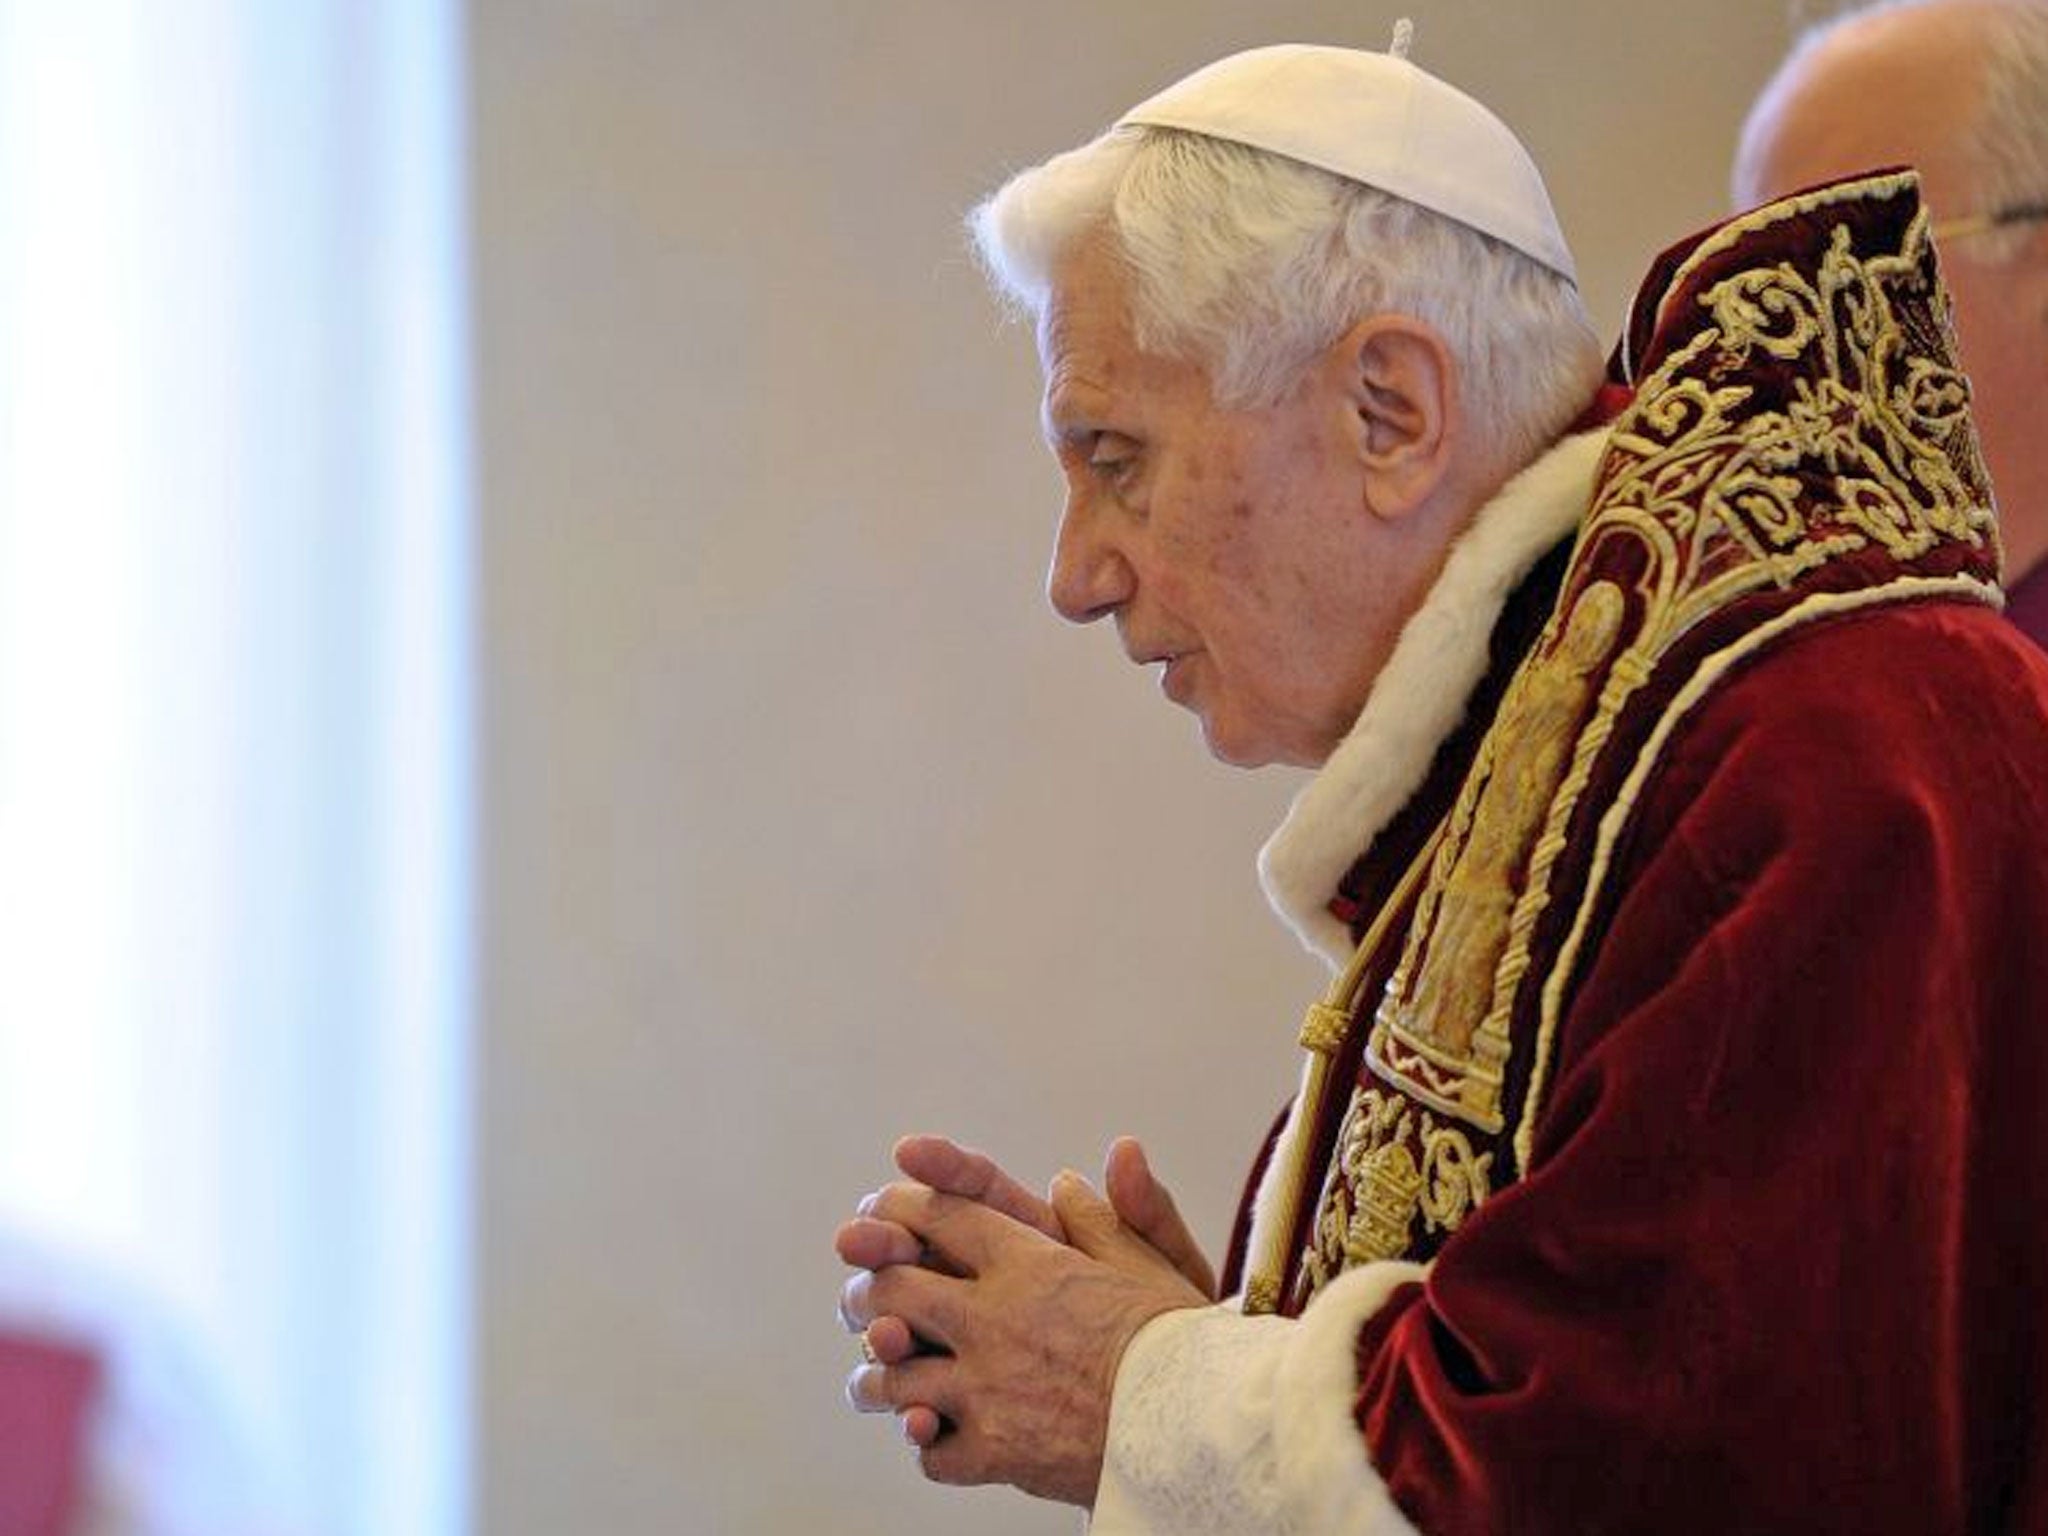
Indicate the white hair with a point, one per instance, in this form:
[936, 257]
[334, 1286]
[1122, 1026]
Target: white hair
[2005, 147]
[2010, 148]
[1251, 264]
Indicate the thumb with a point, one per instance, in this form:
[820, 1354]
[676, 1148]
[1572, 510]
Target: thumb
[1147, 1209]
[1133, 1190]
[1093, 1228]
[1090, 1221]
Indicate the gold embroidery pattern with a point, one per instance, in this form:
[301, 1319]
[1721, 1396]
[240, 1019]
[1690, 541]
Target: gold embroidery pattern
[1442, 1029]
[1711, 492]
[1716, 491]
[1398, 1163]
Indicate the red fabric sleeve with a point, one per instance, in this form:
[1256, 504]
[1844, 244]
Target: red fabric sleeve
[1777, 1262]
[46, 1390]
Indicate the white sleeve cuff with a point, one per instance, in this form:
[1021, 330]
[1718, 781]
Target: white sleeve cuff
[1227, 1425]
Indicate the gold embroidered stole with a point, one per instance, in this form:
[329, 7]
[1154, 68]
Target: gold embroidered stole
[1799, 445]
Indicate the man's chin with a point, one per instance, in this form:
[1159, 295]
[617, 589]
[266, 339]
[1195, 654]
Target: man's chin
[1237, 749]
[1232, 751]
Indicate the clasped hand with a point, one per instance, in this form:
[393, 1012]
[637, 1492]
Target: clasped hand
[997, 1319]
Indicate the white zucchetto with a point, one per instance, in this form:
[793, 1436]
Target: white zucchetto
[1377, 119]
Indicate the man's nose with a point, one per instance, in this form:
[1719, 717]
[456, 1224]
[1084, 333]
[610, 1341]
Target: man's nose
[1090, 578]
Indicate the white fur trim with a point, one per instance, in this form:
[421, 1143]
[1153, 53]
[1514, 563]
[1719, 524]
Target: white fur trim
[1227, 1425]
[1325, 1474]
[1190, 1444]
[1420, 695]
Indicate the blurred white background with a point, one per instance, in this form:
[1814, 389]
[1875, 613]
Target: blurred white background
[236, 684]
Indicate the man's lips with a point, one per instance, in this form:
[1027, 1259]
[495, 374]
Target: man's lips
[1173, 673]
[1174, 679]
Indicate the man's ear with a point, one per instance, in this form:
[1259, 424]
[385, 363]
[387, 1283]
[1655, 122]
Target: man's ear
[1401, 386]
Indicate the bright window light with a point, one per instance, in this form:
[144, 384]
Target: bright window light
[234, 708]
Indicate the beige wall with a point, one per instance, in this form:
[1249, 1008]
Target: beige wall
[806, 822]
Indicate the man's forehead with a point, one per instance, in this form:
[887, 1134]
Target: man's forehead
[1086, 301]
[1083, 332]
[1076, 394]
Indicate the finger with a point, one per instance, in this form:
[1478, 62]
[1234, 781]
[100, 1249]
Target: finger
[875, 1244]
[892, 1340]
[870, 1244]
[947, 1166]
[921, 1383]
[925, 1304]
[863, 1307]
[854, 1315]
[954, 1230]
[922, 1425]
[1145, 1206]
[954, 1457]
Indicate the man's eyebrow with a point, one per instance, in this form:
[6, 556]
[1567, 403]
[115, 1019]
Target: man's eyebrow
[1068, 413]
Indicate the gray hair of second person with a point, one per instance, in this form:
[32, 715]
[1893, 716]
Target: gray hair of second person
[2007, 147]
[1250, 264]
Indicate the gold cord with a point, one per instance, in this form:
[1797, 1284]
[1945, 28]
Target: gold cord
[1323, 1031]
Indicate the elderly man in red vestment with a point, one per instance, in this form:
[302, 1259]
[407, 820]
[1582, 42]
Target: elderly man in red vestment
[1957, 89]
[1662, 1154]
